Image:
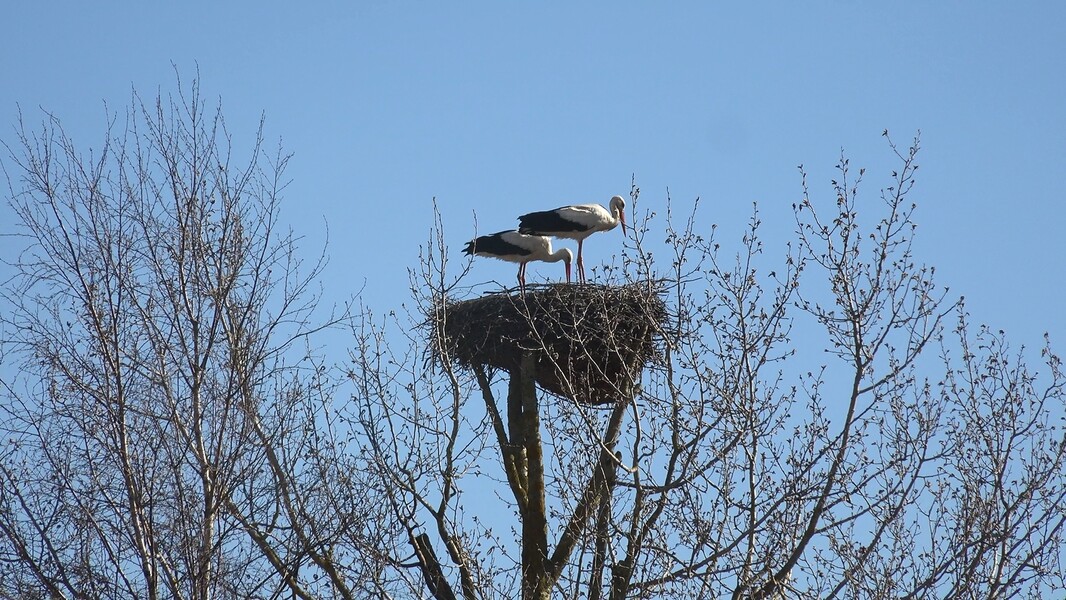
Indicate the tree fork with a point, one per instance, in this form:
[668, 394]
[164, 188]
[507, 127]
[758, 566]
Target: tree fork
[431, 570]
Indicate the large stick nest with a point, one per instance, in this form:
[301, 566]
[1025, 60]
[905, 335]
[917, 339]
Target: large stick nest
[590, 341]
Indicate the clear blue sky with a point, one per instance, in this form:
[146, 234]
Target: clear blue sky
[502, 108]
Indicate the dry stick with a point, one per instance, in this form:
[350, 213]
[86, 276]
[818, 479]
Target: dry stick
[431, 569]
[261, 540]
[508, 450]
[594, 492]
[599, 557]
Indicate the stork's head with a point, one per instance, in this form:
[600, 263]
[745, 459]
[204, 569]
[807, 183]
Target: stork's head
[568, 257]
[618, 209]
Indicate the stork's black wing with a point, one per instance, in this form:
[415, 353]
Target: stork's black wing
[547, 222]
[495, 245]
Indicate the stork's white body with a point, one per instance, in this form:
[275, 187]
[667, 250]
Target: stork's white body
[521, 248]
[575, 222]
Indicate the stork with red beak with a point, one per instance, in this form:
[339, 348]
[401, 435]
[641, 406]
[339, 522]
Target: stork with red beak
[520, 248]
[575, 222]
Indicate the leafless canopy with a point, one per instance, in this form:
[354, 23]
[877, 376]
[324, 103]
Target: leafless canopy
[162, 415]
[824, 425]
[812, 419]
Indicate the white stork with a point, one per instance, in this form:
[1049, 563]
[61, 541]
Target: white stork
[575, 223]
[521, 248]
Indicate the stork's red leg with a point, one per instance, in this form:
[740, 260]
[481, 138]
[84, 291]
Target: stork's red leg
[580, 261]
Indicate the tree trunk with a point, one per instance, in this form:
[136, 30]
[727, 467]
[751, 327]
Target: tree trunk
[522, 403]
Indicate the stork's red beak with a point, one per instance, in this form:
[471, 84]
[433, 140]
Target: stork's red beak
[622, 218]
[567, 265]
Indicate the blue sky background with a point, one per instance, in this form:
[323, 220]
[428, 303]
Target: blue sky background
[503, 108]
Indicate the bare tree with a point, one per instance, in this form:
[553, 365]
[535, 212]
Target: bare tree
[166, 434]
[814, 428]
[707, 421]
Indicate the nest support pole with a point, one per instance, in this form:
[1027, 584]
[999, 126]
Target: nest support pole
[524, 420]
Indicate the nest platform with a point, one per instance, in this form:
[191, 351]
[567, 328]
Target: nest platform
[590, 341]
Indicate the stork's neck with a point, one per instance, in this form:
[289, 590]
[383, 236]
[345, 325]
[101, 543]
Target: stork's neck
[618, 214]
[560, 254]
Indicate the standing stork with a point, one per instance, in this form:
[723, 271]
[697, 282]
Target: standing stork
[575, 222]
[521, 248]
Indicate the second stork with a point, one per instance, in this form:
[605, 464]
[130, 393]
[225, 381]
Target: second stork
[513, 246]
[575, 222]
